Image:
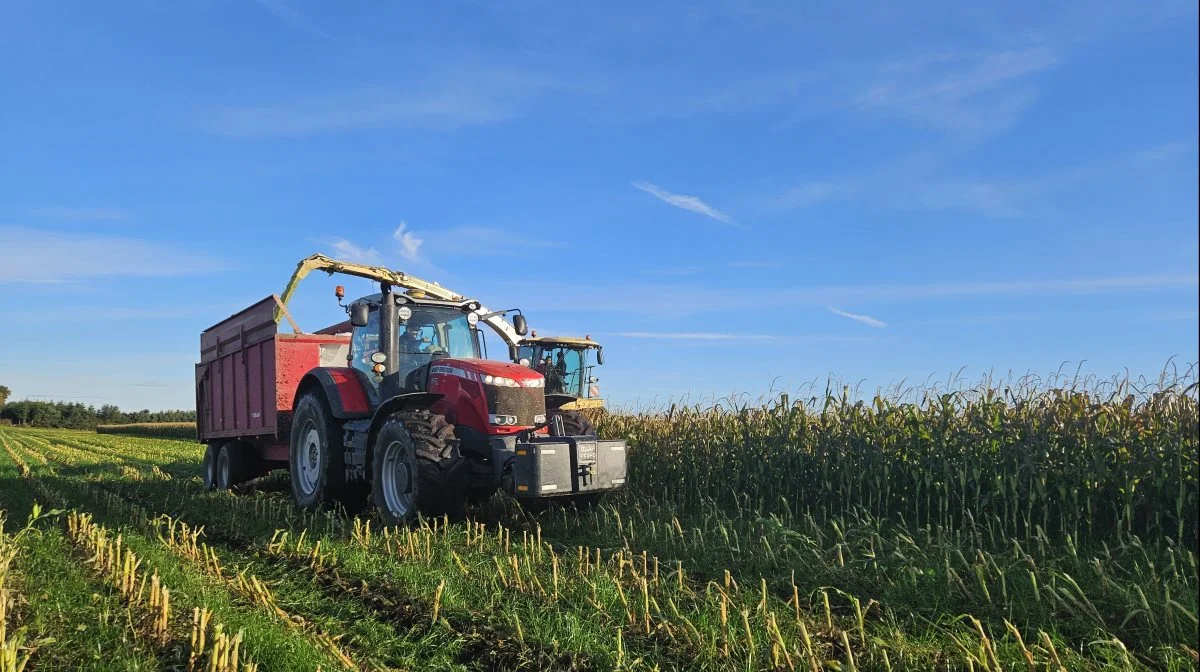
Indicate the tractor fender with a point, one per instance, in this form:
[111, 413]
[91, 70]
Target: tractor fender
[398, 403]
[346, 389]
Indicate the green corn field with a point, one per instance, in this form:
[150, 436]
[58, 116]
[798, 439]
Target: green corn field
[1002, 528]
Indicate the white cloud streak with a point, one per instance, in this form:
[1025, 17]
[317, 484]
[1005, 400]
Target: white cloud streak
[47, 257]
[410, 244]
[60, 212]
[293, 17]
[689, 203]
[696, 336]
[865, 319]
[349, 251]
[670, 300]
[977, 94]
[457, 98]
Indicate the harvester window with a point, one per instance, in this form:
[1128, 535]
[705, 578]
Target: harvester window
[564, 374]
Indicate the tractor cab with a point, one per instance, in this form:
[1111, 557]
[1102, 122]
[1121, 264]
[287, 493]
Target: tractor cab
[426, 330]
[567, 365]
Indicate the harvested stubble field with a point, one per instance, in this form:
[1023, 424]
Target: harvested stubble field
[989, 530]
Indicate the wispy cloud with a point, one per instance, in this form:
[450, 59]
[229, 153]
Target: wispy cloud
[410, 244]
[805, 195]
[865, 319]
[293, 17]
[689, 203]
[480, 241]
[755, 264]
[452, 99]
[37, 256]
[349, 251]
[674, 301]
[60, 212]
[696, 336]
[976, 94]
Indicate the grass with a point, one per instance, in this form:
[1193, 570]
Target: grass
[988, 530]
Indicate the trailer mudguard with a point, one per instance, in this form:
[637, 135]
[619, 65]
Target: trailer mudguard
[347, 390]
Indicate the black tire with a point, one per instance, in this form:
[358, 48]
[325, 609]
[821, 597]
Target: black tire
[574, 423]
[208, 466]
[316, 457]
[416, 468]
[234, 466]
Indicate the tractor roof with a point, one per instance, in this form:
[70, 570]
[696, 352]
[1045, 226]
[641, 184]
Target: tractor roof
[561, 340]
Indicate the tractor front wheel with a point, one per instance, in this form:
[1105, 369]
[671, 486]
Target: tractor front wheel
[416, 468]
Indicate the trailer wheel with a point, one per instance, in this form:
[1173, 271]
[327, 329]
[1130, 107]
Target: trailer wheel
[208, 466]
[316, 461]
[233, 466]
[416, 468]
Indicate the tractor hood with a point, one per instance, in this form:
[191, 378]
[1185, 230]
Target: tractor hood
[485, 369]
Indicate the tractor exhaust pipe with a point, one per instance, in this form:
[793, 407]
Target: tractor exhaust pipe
[390, 386]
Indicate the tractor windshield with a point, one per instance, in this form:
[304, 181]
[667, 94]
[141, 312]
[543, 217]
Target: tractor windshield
[436, 330]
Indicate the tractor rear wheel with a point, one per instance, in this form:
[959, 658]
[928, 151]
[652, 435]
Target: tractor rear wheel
[208, 466]
[316, 461]
[416, 468]
[234, 466]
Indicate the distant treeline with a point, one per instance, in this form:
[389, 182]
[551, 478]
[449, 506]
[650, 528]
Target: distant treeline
[80, 416]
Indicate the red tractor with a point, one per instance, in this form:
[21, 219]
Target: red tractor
[395, 406]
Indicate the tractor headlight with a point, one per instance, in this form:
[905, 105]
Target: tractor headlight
[404, 312]
[502, 419]
[536, 382]
[472, 318]
[500, 381]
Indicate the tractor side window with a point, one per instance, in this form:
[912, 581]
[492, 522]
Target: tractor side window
[459, 342]
[364, 342]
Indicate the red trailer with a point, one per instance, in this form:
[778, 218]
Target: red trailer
[357, 412]
[247, 379]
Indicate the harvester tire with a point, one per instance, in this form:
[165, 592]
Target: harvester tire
[208, 466]
[416, 468]
[316, 457]
[233, 466]
[575, 423]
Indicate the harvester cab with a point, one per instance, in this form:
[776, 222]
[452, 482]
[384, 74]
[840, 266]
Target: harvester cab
[567, 364]
[414, 419]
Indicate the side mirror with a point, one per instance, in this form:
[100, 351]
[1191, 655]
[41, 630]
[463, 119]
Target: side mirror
[600, 356]
[360, 314]
[513, 353]
[519, 325]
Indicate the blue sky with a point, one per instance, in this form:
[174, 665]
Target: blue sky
[733, 197]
